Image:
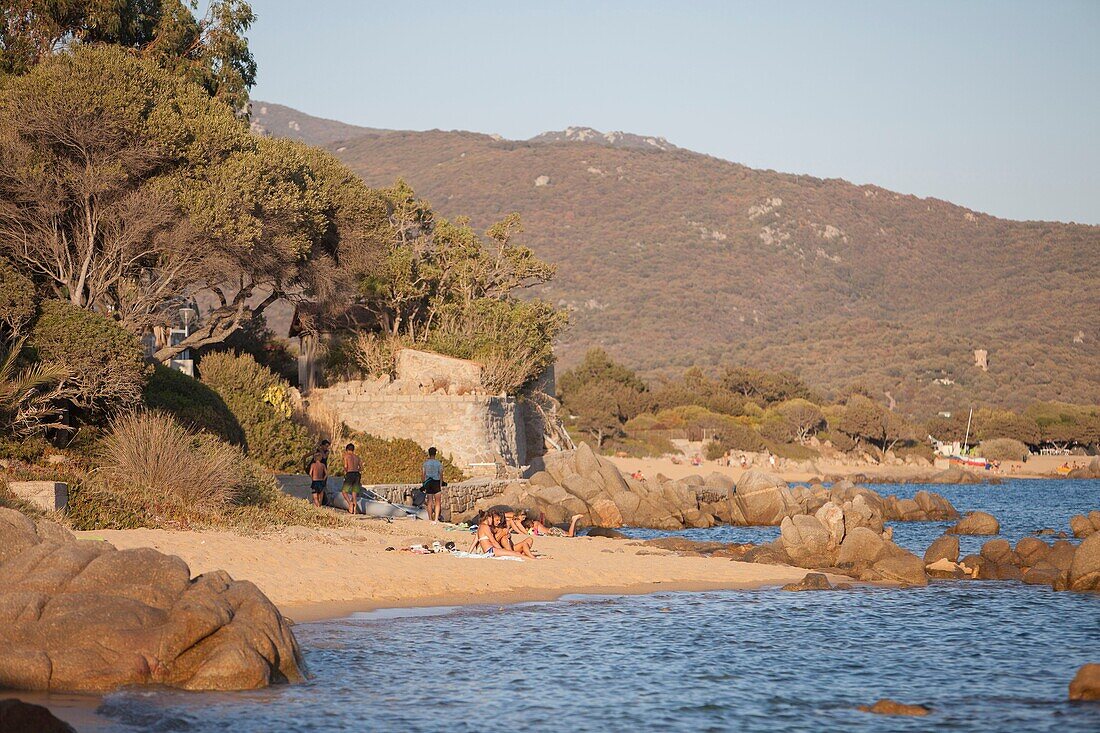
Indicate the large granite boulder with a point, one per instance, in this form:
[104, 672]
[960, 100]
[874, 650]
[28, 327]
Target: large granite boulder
[1084, 571]
[1083, 525]
[807, 541]
[1031, 551]
[945, 547]
[1086, 683]
[83, 616]
[977, 523]
[763, 499]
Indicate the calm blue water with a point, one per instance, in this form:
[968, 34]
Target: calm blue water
[986, 656]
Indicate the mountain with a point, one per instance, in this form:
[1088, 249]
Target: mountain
[669, 258]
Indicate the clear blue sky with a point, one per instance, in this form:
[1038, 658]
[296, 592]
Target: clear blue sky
[992, 105]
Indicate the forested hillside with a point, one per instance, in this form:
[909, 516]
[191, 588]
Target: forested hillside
[668, 258]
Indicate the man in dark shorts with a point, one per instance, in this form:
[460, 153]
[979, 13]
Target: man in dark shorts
[318, 474]
[432, 475]
[353, 478]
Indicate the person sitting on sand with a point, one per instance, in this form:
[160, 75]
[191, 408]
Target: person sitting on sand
[353, 478]
[487, 541]
[318, 474]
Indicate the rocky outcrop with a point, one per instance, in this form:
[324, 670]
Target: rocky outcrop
[893, 707]
[1083, 525]
[761, 498]
[822, 541]
[1084, 570]
[813, 581]
[1086, 683]
[83, 616]
[977, 523]
[17, 716]
[945, 547]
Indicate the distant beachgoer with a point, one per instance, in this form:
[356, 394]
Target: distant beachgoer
[432, 476]
[771, 460]
[318, 474]
[744, 461]
[353, 478]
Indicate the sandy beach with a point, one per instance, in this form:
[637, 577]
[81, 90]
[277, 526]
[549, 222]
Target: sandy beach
[313, 574]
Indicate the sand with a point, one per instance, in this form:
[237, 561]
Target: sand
[312, 574]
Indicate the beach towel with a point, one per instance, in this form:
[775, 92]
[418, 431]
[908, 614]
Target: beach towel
[481, 556]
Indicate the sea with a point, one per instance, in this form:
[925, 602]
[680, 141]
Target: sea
[981, 655]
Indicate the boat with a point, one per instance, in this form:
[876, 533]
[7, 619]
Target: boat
[969, 462]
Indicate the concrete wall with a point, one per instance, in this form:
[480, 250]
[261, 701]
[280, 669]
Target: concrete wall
[472, 429]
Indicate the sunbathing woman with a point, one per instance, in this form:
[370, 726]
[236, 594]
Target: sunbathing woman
[538, 528]
[487, 541]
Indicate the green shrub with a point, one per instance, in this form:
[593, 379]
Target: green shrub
[641, 445]
[260, 402]
[920, 450]
[193, 403]
[741, 438]
[17, 300]
[1003, 449]
[390, 461]
[793, 451]
[27, 450]
[107, 364]
[714, 450]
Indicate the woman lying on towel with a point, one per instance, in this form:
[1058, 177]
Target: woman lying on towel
[523, 525]
[493, 538]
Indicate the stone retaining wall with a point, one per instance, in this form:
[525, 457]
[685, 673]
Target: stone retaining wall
[471, 429]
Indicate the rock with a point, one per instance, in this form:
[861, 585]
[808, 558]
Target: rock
[999, 551]
[17, 716]
[1084, 571]
[977, 523]
[909, 511]
[720, 482]
[542, 478]
[992, 570]
[82, 616]
[901, 567]
[812, 581]
[972, 564]
[861, 512]
[581, 487]
[893, 707]
[807, 541]
[832, 518]
[1042, 573]
[681, 544]
[945, 547]
[764, 498]
[1084, 525]
[861, 548]
[945, 569]
[1092, 470]
[603, 512]
[1032, 550]
[769, 554]
[1086, 683]
[605, 532]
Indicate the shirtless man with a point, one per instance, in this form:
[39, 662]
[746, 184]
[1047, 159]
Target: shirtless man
[353, 478]
[318, 474]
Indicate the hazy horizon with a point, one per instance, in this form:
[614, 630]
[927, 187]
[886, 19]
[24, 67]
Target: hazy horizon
[989, 105]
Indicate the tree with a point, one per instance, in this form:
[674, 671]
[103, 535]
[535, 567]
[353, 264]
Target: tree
[601, 395]
[864, 419]
[991, 424]
[766, 387]
[18, 301]
[129, 191]
[802, 417]
[210, 51]
[106, 365]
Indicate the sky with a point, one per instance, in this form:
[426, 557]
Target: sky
[991, 105]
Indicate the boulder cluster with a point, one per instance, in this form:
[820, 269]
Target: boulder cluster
[83, 616]
[1060, 565]
[582, 482]
[847, 539]
[1084, 525]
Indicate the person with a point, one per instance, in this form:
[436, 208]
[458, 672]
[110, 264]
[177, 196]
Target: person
[353, 478]
[318, 474]
[323, 449]
[431, 473]
[538, 528]
[487, 532]
[525, 543]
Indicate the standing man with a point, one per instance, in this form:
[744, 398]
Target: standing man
[318, 474]
[353, 478]
[432, 475]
